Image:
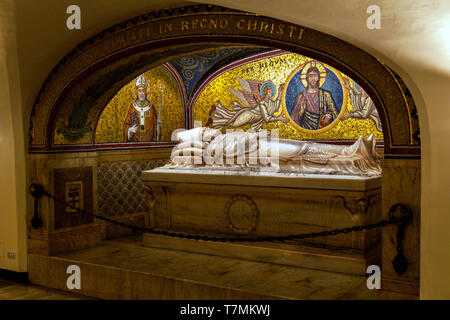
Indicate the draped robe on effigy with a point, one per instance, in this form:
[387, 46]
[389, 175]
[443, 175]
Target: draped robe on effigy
[291, 156]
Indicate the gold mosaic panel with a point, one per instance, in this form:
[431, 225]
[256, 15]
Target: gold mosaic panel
[278, 69]
[110, 124]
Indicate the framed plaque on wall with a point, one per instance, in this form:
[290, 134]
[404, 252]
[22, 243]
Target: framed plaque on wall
[74, 185]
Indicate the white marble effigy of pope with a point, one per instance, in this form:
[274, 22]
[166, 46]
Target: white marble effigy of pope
[205, 148]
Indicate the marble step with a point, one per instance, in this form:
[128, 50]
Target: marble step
[124, 269]
[305, 256]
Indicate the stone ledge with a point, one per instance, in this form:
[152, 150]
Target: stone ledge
[266, 179]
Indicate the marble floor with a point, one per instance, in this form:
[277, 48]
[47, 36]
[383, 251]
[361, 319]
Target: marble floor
[26, 291]
[211, 273]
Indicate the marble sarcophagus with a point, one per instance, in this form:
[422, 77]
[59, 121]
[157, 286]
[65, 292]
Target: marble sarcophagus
[219, 201]
[257, 205]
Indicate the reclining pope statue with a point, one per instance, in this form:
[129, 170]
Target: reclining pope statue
[205, 148]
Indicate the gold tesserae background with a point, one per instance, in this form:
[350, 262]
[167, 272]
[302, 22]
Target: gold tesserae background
[278, 69]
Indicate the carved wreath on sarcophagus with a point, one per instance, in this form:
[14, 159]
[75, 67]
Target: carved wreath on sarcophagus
[242, 214]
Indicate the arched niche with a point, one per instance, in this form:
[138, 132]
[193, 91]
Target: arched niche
[93, 72]
[193, 86]
[89, 76]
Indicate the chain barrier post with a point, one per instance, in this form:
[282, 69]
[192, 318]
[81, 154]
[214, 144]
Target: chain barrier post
[37, 191]
[401, 215]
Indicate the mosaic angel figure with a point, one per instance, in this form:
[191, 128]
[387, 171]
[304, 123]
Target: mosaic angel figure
[363, 105]
[260, 106]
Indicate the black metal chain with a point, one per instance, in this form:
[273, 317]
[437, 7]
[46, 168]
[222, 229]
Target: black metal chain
[326, 233]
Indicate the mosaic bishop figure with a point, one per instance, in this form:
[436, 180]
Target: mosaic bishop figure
[141, 120]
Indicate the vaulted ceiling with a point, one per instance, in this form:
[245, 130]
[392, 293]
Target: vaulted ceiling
[43, 38]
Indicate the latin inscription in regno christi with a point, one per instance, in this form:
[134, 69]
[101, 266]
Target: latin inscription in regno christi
[210, 24]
